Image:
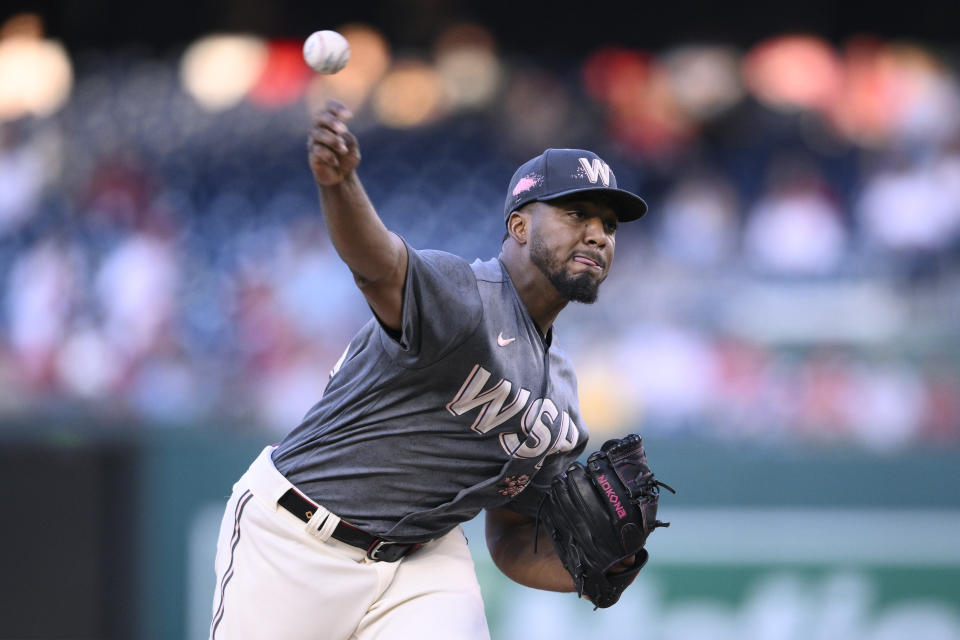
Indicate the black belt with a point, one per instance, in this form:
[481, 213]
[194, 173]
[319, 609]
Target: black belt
[376, 548]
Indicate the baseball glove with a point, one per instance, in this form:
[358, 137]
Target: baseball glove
[599, 515]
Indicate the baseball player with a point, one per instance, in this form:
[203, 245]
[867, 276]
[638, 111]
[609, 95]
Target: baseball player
[453, 398]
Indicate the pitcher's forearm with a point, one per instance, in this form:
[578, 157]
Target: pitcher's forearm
[363, 242]
[377, 257]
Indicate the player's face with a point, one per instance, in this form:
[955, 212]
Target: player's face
[572, 242]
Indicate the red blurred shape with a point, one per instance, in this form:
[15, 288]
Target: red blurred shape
[285, 75]
[793, 71]
[615, 76]
[642, 111]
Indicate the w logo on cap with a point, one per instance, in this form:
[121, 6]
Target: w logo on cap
[563, 172]
[596, 170]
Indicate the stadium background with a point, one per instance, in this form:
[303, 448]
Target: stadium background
[782, 327]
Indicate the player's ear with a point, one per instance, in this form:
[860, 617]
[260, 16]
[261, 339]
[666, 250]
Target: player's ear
[518, 225]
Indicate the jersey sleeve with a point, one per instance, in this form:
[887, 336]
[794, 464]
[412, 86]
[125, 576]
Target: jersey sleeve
[441, 308]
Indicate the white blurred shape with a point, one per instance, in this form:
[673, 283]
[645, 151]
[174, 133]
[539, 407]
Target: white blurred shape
[136, 286]
[705, 79]
[886, 405]
[910, 207]
[671, 368]
[35, 77]
[287, 393]
[926, 620]
[219, 70]
[42, 288]
[26, 170]
[87, 365]
[934, 115]
[409, 95]
[699, 223]
[468, 65]
[795, 233]
[778, 608]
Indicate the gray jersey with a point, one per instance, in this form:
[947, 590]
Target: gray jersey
[469, 407]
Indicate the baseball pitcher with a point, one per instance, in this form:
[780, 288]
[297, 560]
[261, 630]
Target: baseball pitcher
[455, 397]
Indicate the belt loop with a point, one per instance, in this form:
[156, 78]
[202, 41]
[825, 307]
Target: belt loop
[327, 528]
[322, 523]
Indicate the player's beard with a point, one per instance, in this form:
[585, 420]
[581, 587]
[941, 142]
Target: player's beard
[582, 287]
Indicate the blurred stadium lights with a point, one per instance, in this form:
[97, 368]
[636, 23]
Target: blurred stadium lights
[793, 72]
[219, 70]
[537, 106]
[875, 94]
[409, 95]
[467, 62]
[25, 25]
[370, 59]
[36, 75]
[893, 93]
[931, 109]
[643, 109]
[705, 79]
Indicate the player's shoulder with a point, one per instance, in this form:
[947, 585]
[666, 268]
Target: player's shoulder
[444, 264]
[488, 270]
[448, 278]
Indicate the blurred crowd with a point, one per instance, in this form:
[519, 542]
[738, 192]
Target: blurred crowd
[163, 260]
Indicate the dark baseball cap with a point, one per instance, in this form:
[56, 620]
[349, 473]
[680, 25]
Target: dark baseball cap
[561, 172]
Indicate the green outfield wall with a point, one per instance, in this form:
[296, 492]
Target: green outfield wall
[767, 542]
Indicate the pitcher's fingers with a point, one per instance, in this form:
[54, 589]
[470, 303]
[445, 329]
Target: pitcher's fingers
[350, 140]
[339, 109]
[330, 120]
[324, 155]
[328, 138]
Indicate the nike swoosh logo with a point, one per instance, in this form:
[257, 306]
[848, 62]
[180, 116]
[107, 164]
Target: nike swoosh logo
[504, 341]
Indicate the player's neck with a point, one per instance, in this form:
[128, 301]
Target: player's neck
[543, 302]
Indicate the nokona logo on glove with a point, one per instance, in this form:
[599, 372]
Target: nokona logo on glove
[600, 515]
[612, 496]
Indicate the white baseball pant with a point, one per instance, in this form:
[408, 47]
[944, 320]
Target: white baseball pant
[278, 577]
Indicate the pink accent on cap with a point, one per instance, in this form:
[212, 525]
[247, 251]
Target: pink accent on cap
[525, 184]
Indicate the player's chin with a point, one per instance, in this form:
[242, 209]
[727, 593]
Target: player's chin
[583, 287]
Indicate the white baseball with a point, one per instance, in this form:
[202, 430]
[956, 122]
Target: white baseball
[326, 51]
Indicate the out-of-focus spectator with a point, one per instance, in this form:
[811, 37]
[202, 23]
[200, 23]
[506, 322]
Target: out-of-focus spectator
[942, 389]
[824, 385]
[314, 287]
[885, 405]
[796, 227]
[671, 371]
[169, 388]
[24, 172]
[89, 366]
[180, 271]
[737, 402]
[698, 222]
[911, 211]
[43, 289]
[285, 393]
[137, 287]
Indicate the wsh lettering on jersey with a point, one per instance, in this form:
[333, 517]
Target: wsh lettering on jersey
[496, 407]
